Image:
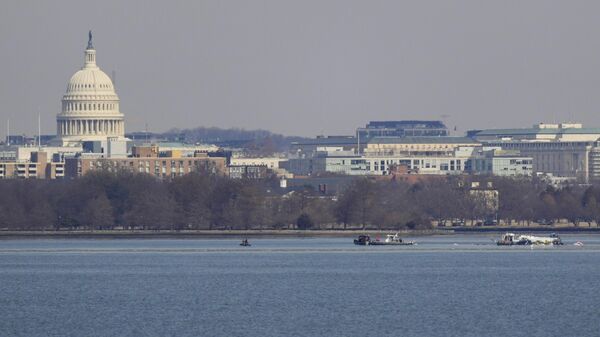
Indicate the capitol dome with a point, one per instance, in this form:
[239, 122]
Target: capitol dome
[90, 107]
[90, 80]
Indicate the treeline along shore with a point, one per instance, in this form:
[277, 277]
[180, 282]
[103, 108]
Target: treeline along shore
[125, 201]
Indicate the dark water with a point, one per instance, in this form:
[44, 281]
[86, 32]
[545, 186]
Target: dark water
[445, 286]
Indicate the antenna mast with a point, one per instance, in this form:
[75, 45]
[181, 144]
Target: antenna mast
[39, 131]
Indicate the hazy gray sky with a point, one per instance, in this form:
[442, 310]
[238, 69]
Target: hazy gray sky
[308, 67]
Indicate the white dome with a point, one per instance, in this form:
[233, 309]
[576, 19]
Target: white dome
[90, 81]
[90, 107]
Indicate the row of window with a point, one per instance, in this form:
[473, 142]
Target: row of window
[146, 163]
[88, 86]
[88, 106]
[538, 145]
[413, 147]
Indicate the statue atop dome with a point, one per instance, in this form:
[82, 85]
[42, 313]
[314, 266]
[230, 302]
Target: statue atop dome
[90, 46]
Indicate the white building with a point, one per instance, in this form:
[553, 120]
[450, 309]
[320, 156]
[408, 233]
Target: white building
[542, 132]
[460, 160]
[566, 150]
[90, 107]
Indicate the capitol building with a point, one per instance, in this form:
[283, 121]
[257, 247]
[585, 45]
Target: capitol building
[90, 107]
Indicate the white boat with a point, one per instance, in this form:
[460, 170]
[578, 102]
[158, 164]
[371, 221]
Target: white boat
[509, 239]
[392, 240]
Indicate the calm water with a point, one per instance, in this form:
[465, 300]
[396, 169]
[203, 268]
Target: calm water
[445, 286]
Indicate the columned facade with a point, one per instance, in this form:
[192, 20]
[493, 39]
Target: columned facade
[88, 127]
[90, 107]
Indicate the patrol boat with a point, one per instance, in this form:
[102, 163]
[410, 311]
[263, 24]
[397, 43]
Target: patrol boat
[390, 240]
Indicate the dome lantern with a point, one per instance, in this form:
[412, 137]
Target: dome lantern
[90, 54]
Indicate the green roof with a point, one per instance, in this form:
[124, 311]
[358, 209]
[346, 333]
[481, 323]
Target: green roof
[422, 140]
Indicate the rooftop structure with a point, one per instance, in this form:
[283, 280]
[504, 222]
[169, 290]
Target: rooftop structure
[407, 128]
[540, 132]
[310, 147]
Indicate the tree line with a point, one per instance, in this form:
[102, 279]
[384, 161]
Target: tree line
[104, 200]
[255, 142]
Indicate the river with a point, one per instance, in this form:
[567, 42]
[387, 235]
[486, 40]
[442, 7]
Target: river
[454, 285]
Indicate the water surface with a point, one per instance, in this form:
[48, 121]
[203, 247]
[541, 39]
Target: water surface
[459, 285]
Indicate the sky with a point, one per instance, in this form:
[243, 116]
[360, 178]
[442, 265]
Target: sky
[307, 67]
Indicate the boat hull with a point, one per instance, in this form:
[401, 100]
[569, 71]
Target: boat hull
[381, 243]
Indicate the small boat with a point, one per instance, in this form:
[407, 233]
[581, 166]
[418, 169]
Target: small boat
[363, 240]
[510, 239]
[245, 243]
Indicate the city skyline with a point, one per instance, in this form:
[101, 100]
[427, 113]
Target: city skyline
[327, 68]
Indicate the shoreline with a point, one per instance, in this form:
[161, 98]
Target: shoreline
[285, 233]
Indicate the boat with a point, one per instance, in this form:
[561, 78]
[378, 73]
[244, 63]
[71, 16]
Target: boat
[363, 240]
[245, 243]
[510, 239]
[390, 240]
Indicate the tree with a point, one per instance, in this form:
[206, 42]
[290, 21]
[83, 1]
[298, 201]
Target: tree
[98, 213]
[191, 193]
[151, 207]
[304, 222]
[41, 216]
[346, 211]
[569, 206]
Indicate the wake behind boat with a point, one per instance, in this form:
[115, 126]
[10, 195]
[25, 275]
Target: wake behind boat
[390, 240]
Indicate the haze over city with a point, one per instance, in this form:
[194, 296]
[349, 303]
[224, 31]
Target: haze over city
[308, 67]
[327, 168]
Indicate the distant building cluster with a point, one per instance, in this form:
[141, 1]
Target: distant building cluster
[91, 136]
